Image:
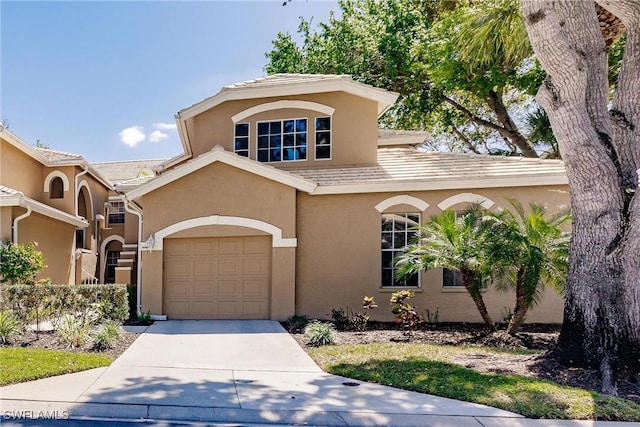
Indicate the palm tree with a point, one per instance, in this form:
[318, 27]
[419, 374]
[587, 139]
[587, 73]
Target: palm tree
[452, 241]
[530, 251]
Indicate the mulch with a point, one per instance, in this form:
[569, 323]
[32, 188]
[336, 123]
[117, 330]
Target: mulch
[533, 337]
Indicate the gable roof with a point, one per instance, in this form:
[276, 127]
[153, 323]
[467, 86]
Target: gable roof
[11, 197]
[219, 154]
[126, 170]
[408, 169]
[51, 158]
[292, 84]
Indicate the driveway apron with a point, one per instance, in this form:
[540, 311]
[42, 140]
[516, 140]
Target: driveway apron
[234, 371]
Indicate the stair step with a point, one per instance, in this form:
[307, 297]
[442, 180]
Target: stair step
[130, 247]
[127, 254]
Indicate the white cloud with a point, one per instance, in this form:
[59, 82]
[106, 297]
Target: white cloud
[132, 136]
[157, 136]
[165, 126]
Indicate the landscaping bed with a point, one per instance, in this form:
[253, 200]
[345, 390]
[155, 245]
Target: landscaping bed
[530, 360]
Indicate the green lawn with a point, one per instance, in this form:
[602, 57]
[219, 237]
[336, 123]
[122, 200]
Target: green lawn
[26, 364]
[424, 368]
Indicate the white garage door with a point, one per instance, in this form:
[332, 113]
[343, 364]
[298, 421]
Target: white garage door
[217, 278]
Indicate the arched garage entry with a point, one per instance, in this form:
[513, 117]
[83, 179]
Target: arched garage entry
[219, 268]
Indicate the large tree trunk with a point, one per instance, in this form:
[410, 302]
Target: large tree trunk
[522, 305]
[600, 144]
[472, 284]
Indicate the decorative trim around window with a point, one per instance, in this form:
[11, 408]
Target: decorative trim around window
[116, 213]
[397, 230]
[282, 140]
[52, 175]
[468, 198]
[323, 138]
[241, 139]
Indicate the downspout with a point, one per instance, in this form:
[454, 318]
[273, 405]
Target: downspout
[20, 218]
[138, 255]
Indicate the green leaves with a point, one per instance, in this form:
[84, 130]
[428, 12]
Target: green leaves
[19, 264]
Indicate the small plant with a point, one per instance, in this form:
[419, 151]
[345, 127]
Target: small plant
[71, 331]
[319, 333]
[145, 317]
[10, 326]
[433, 317]
[297, 323]
[359, 320]
[340, 318]
[107, 335]
[405, 313]
[507, 315]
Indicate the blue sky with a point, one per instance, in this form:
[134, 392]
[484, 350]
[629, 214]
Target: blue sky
[104, 79]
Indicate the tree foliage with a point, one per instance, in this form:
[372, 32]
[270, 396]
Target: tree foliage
[19, 264]
[413, 48]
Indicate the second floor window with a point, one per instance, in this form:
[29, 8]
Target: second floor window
[116, 213]
[241, 144]
[323, 138]
[282, 140]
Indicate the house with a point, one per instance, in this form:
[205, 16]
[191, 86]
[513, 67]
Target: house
[82, 226]
[288, 199]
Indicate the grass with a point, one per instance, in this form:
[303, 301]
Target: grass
[26, 364]
[424, 368]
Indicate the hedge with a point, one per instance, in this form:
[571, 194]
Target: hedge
[45, 301]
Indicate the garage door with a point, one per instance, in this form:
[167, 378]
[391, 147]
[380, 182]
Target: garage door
[217, 278]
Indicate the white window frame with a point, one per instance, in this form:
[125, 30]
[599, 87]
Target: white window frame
[282, 133]
[315, 139]
[111, 211]
[395, 250]
[235, 128]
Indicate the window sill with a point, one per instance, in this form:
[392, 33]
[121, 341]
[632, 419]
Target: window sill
[400, 288]
[454, 290]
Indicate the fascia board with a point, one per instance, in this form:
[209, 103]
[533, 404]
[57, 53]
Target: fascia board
[441, 185]
[24, 147]
[384, 98]
[41, 208]
[218, 154]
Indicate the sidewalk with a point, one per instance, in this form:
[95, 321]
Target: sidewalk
[243, 373]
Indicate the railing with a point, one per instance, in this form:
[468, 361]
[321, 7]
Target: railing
[93, 280]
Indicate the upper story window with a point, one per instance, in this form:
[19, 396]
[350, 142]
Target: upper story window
[241, 144]
[397, 232]
[116, 213]
[323, 138]
[56, 188]
[282, 140]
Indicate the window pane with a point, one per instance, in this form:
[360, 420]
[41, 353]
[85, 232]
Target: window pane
[275, 141]
[323, 123]
[323, 138]
[387, 277]
[242, 129]
[323, 152]
[244, 153]
[301, 125]
[289, 126]
[399, 240]
[301, 139]
[387, 259]
[263, 155]
[387, 240]
[275, 127]
[274, 155]
[263, 128]
[288, 140]
[263, 142]
[302, 153]
[242, 144]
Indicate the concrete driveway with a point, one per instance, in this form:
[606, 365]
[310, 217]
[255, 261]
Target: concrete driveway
[233, 371]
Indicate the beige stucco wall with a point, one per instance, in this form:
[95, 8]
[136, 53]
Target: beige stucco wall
[339, 261]
[219, 189]
[56, 241]
[351, 144]
[19, 171]
[6, 221]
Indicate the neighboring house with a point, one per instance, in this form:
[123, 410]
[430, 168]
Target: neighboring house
[288, 199]
[70, 209]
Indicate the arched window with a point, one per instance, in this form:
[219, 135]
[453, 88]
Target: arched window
[56, 188]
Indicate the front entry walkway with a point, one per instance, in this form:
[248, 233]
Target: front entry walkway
[233, 371]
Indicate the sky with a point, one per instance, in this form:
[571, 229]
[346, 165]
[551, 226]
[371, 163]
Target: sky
[104, 79]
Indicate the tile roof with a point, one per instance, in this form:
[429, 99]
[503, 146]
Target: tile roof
[285, 80]
[409, 165]
[122, 171]
[55, 155]
[6, 191]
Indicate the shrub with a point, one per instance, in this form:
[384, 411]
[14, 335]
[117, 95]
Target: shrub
[132, 297]
[43, 301]
[405, 313]
[359, 320]
[10, 326]
[340, 318]
[297, 323]
[319, 333]
[19, 263]
[72, 331]
[107, 335]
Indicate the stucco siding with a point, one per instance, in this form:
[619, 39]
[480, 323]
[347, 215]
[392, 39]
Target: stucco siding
[354, 127]
[339, 261]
